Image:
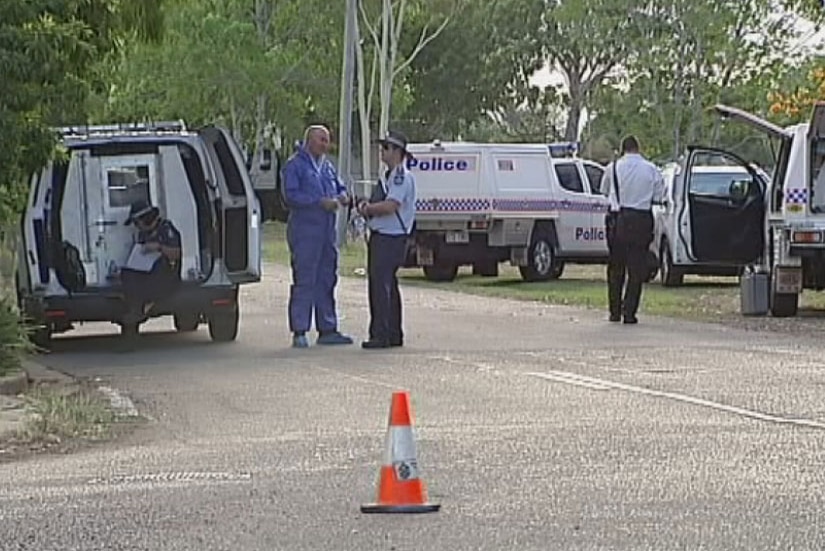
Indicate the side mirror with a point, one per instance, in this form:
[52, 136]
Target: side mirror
[266, 159]
[739, 189]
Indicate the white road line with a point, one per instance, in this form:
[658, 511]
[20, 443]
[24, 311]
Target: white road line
[570, 379]
[555, 375]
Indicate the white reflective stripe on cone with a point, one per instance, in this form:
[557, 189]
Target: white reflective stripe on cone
[401, 453]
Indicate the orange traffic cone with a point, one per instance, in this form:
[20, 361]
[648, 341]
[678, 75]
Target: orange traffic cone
[400, 490]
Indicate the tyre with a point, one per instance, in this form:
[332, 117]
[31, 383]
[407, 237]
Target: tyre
[784, 305]
[541, 258]
[41, 337]
[558, 269]
[186, 323]
[223, 324]
[671, 277]
[129, 330]
[441, 272]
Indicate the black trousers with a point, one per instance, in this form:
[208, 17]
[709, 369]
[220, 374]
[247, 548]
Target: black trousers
[142, 287]
[629, 234]
[385, 254]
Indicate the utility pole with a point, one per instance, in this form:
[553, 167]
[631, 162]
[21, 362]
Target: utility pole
[345, 113]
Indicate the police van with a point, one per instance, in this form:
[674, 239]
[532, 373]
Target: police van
[481, 204]
[74, 239]
[786, 227]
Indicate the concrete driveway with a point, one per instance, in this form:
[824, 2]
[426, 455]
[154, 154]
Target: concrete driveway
[538, 427]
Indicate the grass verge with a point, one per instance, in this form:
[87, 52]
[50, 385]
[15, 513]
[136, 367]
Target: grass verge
[699, 298]
[56, 415]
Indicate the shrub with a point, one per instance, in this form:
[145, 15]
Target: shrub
[14, 340]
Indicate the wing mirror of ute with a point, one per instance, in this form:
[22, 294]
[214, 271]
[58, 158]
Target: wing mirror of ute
[739, 189]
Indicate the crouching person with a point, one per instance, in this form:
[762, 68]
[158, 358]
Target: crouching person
[153, 270]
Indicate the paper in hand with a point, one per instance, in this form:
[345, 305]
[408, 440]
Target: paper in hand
[141, 261]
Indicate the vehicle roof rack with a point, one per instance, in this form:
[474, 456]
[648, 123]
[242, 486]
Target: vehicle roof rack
[564, 149]
[85, 130]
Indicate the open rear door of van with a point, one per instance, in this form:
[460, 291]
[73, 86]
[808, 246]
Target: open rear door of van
[239, 208]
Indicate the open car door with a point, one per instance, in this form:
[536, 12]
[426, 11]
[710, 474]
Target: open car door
[722, 215]
[239, 210]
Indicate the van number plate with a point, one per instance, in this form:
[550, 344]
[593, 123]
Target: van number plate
[457, 236]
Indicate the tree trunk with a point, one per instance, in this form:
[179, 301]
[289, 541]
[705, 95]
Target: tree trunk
[363, 109]
[386, 65]
[574, 113]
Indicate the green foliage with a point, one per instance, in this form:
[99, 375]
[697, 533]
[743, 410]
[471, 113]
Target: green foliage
[690, 56]
[46, 50]
[14, 340]
[480, 63]
[216, 59]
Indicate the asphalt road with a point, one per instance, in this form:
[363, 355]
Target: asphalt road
[538, 427]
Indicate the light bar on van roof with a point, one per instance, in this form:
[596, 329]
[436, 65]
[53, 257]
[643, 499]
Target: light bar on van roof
[563, 149]
[147, 127]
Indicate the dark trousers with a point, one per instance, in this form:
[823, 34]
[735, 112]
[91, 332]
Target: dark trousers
[629, 234]
[385, 254]
[140, 288]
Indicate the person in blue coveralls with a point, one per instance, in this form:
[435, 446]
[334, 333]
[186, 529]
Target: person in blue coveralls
[390, 215]
[313, 193]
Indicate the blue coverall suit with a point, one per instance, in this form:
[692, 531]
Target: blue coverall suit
[311, 235]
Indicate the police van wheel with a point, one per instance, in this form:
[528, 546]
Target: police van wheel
[129, 330]
[558, 269]
[441, 272]
[223, 325]
[41, 337]
[186, 323]
[542, 260]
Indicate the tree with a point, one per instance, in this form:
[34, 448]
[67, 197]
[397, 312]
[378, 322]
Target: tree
[47, 50]
[689, 56]
[384, 23]
[791, 101]
[587, 40]
[245, 64]
[480, 64]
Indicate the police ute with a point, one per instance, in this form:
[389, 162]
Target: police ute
[74, 240]
[481, 204]
[786, 226]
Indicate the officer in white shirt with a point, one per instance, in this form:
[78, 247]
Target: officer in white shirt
[632, 184]
[390, 215]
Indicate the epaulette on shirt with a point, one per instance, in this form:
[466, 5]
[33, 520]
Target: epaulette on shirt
[398, 179]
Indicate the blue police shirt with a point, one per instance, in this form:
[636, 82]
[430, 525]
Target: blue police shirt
[306, 181]
[165, 233]
[400, 185]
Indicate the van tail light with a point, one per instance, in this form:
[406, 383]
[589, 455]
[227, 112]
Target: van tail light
[55, 313]
[806, 237]
[479, 224]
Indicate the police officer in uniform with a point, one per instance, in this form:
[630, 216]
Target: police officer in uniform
[155, 234]
[390, 215]
[633, 184]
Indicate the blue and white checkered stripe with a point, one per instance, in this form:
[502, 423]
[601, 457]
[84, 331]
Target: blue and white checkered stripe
[796, 195]
[507, 205]
[451, 204]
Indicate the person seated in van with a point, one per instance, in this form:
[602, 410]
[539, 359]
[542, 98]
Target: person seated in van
[159, 237]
